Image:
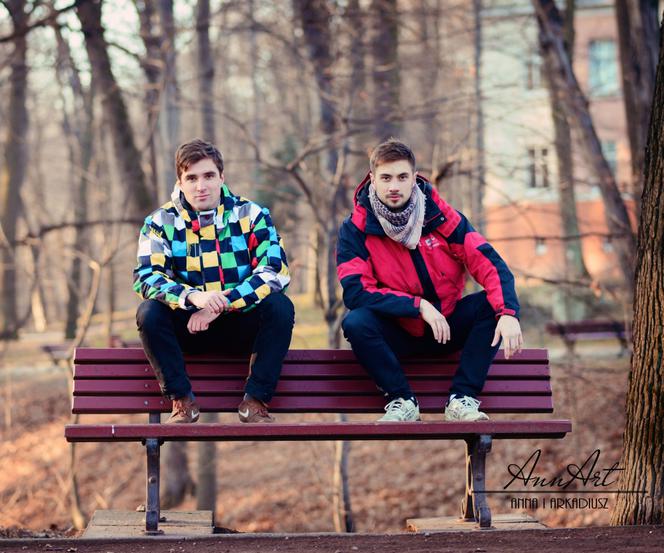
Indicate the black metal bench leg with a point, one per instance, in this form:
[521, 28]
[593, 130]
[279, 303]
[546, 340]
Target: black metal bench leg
[467, 507]
[475, 503]
[152, 510]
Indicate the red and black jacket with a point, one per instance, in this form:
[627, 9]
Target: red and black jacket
[381, 274]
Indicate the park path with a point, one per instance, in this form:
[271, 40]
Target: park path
[625, 539]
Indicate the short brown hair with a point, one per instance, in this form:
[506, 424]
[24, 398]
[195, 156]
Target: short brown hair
[195, 150]
[391, 150]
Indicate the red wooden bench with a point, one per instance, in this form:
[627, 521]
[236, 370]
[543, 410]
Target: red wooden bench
[595, 329]
[110, 381]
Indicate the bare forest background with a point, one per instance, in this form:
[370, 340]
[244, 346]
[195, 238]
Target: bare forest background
[531, 117]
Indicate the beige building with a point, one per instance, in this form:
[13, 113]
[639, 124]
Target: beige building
[521, 200]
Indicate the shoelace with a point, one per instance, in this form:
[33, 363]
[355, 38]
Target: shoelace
[468, 401]
[394, 405]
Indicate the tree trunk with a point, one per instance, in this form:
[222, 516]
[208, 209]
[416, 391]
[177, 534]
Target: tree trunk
[80, 144]
[315, 17]
[171, 121]
[477, 195]
[206, 70]
[176, 480]
[206, 477]
[384, 47]
[643, 449]
[13, 173]
[639, 45]
[152, 67]
[126, 153]
[578, 115]
[575, 268]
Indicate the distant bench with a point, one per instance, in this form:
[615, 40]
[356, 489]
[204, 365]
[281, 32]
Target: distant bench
[594, 329]
[112, 381]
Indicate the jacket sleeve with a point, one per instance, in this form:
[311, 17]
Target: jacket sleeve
[153, 276]
[360, 287]
[484, 264]
[268, 260]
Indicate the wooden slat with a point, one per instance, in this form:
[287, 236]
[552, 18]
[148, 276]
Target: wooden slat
[320, 431]
[123, 355]
[311, 404]
[354, 370]
[439, 386]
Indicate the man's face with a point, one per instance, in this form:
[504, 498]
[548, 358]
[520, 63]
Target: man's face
[201, 185]
[394, 181]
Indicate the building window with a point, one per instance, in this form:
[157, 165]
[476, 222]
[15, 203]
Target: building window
[602, 68]
[609, 151]
[540, 246]
[538, 168]
[534, 75]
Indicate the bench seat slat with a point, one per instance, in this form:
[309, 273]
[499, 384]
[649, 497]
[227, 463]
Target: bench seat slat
[123, 355]
[209, 371]
[310, 404]
[320, 431]
[295, 387]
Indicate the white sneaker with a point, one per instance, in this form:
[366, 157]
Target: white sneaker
[401, 410]
[464, 408]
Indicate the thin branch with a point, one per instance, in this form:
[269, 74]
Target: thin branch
[35, 236]
[46, 20]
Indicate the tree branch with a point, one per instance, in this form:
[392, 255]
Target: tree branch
[46, 20]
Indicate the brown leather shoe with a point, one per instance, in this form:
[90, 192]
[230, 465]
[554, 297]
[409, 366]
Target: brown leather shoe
[252, 410]
[185, 411]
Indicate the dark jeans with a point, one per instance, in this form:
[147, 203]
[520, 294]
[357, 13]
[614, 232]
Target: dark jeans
[265, 331]
[379, 342]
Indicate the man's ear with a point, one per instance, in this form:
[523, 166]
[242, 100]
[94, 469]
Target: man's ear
[371, 177]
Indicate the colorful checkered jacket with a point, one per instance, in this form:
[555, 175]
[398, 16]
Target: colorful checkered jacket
[234, 247]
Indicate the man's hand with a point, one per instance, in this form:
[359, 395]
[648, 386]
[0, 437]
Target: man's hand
[213, 301]
[201, 320]
[509, 328]
[435, 319]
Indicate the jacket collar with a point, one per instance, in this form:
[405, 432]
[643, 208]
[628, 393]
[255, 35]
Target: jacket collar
[223, 210]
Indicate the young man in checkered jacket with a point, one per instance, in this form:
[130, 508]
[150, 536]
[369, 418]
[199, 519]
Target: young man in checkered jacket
[212, 271]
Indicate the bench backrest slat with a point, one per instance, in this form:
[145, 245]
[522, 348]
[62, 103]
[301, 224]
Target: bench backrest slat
[121, 381]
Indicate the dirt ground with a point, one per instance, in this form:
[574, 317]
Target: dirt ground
[588, 540]
[287, 487]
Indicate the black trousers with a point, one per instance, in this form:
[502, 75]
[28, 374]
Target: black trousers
[379, 342]
[264, 331]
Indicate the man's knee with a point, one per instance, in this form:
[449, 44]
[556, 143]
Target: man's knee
[278, 306]
[151, 314]
[358, 323]
[483, 308]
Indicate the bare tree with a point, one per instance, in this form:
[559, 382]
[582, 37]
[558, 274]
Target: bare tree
[78, 128]
[643, 449]
[639, 45]
[315, 18]
[575, 268]
[386, 79]
[153, 69]
[127, 156]
[171, 96]
[550, 24]
[16, 160]
[206, 480]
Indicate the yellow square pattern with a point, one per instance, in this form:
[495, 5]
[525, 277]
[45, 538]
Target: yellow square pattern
[210, 259]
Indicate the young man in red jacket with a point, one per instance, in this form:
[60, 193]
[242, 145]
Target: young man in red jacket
[401, 259]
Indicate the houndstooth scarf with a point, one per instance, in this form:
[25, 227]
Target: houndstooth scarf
[404, 226]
